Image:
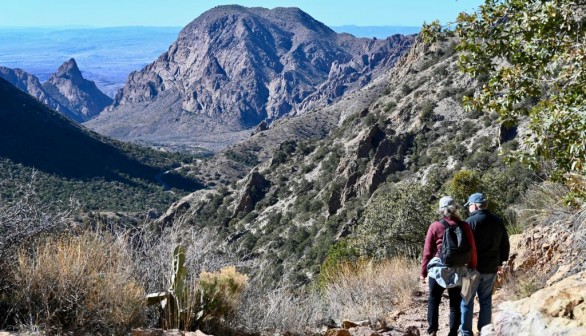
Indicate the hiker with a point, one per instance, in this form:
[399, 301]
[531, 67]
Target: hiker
[442, 276]
[492, 246]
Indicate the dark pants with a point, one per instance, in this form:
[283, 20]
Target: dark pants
[435, 297]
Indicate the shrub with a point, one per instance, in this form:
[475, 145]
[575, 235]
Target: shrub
[77, 284]
[339, 253]
[463, 184]
[220, 293]
[27, 217]
[406, 89]
[396, 221]
[426, 110]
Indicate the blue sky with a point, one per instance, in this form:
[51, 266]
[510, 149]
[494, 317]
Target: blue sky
[109, 13]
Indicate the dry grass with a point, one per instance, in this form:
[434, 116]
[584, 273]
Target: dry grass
[282, 307]
[521, 286]
[542, 201]
[77, 284]
[369, 289]
[357, 291]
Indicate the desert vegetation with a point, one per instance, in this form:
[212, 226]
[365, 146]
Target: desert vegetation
[326, 229]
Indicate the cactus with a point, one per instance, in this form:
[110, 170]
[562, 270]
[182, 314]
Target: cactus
[171, 299]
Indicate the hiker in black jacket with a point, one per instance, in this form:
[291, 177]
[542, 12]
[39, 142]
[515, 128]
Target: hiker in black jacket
[492, 247]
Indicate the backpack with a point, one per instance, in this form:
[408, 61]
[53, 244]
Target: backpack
[456, 250]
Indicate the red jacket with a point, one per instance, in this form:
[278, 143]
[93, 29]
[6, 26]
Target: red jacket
[433, 243]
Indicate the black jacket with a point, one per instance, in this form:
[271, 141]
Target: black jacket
[492, 240]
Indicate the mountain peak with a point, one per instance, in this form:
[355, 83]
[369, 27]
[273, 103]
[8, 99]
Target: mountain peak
[234, 67]
[69, 69]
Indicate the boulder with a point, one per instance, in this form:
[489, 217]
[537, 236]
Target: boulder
[559, 309]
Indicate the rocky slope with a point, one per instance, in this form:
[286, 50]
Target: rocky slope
[234, 67]
[31, 85]
[66, 91]
[311, 192]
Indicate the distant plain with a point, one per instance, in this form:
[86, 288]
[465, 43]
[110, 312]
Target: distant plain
[108, 55]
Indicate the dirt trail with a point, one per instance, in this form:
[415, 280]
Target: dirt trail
[416, 314]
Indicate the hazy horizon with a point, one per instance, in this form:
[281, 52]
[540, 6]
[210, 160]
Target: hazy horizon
[173, 13]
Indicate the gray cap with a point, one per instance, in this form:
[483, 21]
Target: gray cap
[446, 201]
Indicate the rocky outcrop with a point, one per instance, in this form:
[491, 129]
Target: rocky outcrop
[234, 67]
[556, 310]
[66, 91]
[384, 154]
[253, 191]
[81, 97]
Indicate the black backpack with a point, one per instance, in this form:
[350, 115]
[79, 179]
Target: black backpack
[456, 250]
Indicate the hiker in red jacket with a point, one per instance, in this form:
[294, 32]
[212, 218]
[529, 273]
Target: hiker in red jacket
[440, 275]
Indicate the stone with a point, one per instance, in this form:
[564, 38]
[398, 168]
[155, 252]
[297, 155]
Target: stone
[364, 331]
[338, 332]
[412, 331]
[254, 190]
[346, 324]
[197, 333]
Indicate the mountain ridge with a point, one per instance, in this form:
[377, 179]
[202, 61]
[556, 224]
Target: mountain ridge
[233, 67]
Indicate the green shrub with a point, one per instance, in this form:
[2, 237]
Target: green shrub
[339, 253]
[219, 294]
[463, 184]
[396, 221]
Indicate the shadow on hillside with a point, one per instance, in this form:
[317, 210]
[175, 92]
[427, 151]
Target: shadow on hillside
[35, 136]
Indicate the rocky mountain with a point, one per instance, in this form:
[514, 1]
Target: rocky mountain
[79, 96]
[66, 91]
[233, 67]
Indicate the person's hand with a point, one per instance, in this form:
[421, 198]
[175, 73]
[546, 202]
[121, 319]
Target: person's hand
[422, 279]
[499, 270]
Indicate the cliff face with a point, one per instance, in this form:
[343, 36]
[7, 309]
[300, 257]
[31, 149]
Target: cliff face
[234, 67]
